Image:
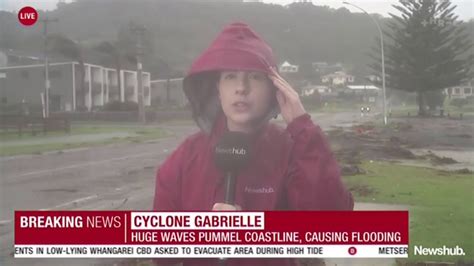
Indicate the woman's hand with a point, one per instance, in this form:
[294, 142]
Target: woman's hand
[226, 207]
[289, 101]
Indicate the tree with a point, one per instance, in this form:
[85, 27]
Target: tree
[71, 49]
[426, 50]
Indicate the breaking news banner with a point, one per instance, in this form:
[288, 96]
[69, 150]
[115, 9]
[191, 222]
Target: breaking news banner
[270, 234]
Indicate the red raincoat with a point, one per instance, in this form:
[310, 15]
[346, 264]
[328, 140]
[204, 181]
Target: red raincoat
[290, 169]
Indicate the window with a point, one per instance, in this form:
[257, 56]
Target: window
[457, 91]
[467, 90]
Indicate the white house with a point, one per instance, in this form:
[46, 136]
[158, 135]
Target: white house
[286, 67]
[320, 89]
[323, 89]
[363, 88]
[368, 93]
[373, 78]
[459, 91]
[337, 78]
[323, 68]
[26, 82]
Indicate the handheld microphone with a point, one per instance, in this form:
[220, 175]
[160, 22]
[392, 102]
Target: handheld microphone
[231, 155]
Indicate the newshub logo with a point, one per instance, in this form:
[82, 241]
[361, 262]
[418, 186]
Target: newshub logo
[440, 251]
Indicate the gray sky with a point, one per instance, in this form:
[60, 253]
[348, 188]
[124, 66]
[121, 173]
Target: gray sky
[465, 8]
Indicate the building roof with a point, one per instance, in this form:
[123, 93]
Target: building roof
[68, 63]
[337, 74]
[363, 87]
[287, 64]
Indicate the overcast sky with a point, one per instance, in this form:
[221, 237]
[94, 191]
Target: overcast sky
[465, 8]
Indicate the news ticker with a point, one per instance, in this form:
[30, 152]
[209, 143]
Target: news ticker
[272, 234]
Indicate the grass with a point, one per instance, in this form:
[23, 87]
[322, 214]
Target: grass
[76, 129]
[455, 111]
[334, 107]
[136, 134]
[441, 210]
[404, 110]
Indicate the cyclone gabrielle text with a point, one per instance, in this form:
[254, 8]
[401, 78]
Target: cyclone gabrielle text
[187, 221]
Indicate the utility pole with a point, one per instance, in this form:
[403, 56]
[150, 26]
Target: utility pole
[385, 120]
[139, 31]
[47, 84]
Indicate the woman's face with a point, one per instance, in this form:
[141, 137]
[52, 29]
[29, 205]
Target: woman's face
[245, 98]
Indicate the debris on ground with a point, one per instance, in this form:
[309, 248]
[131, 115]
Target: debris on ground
[350, 169]
[464, 171]
[363, 128]
[437, 160]
[401, 126]
[397, 140]
[348, 156]
[396, 151]
[362, 190]
[461, 136]
[352, 148]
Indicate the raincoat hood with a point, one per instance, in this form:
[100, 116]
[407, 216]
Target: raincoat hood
[237, 47]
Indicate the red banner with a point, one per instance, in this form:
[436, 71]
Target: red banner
[211, 228]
